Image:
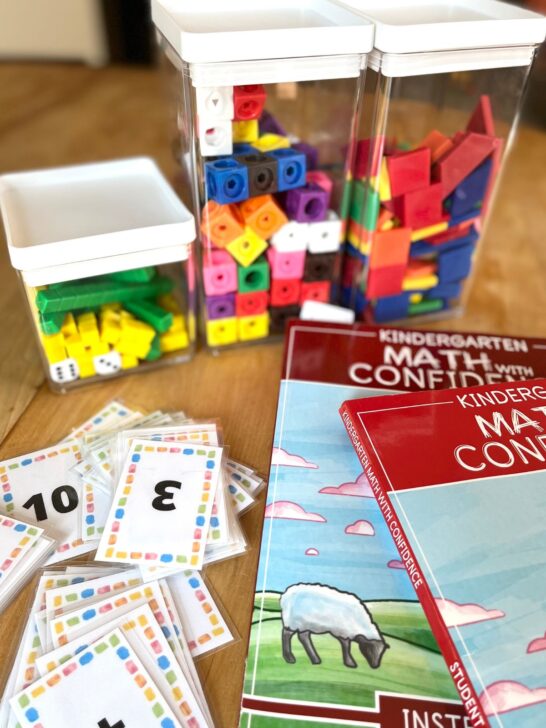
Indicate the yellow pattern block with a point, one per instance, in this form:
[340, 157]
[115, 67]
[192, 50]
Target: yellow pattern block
[269, 142]
[221, 332]
[384, 182]
[246, 131]
[427, 232]
[253, 327]
[247, 247]
[420, 284]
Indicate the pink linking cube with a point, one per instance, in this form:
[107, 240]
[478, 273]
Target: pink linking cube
[286, 265]
[219, 273]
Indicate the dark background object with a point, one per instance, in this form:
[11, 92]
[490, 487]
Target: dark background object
[130, 31]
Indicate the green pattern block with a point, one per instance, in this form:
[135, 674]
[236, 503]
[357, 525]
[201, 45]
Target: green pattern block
[50, 323]
[365, 206]
[89, 293]
[346, 199]
[433, 304]
[152, 314]
[137, 275]
[254, 277]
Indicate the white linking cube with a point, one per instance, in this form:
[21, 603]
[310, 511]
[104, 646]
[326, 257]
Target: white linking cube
[293, 236]
[215, 103]
[66, 370]
[325, 237]
[318, 311]
[215, 137]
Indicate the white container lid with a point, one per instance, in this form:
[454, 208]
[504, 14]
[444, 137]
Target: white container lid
[216, 31]
[100, 216]
[415, 26]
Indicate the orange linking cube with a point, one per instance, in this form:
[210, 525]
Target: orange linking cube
[221, 223]
[263, 215]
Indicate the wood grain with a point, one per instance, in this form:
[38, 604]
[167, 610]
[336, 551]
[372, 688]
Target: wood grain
[64, 114]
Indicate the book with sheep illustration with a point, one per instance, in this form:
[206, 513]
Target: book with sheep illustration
[338, 635]
[468, 522]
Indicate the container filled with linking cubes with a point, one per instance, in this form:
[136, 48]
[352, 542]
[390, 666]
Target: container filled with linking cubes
[442, 96]
[105, 255]
[265, 97]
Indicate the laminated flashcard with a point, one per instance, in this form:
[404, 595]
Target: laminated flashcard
[202, 622]
[16, 539]
[30, 561]
[94, 512]
[162, 506]
[251, 482]
[40, 488]
[240, 498]
[123, 694]
[112, 416]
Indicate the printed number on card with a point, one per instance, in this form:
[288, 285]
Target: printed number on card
[164, 500]
[64, 499]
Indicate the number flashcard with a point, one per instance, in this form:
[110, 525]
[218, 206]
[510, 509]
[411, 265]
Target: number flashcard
[94, 511]
[240, 498]
[112, 416]
[202, 622]
[40, 487]
[16, 539]
[162, 506]
[123, 694]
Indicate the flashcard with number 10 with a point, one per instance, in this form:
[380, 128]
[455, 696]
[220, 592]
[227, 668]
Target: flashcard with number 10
[162, 506]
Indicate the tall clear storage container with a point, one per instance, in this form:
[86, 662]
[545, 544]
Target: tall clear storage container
[267, 96]
[105, 255]
[442, 96]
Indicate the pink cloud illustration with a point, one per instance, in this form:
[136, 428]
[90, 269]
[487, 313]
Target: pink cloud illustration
[360, 528]
[281, 457]
[312, 552]
[360, 488]
[537, 645]
[396, 564]
[291, 511]
[458, 615]
[506, 695]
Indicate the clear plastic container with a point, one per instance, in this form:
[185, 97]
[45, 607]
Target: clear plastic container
[105, 255]
[266, 98]
[442, 95]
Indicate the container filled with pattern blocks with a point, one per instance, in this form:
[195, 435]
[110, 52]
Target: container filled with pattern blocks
[105, 255]
[266, 145]
[439, 109]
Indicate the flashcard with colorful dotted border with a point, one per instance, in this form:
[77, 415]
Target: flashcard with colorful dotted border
[105, 686]
[94, 511]
[162, 507]
[16, 539]
[112, 416]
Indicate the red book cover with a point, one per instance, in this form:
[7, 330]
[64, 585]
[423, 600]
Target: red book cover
[460, 478]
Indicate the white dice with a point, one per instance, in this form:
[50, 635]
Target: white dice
[66, 370]
[215, 103]
[293, 236]
[215, 137]
[325, 237]
[107, 363]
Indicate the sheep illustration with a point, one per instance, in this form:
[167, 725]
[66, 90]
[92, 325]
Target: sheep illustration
[308, 609]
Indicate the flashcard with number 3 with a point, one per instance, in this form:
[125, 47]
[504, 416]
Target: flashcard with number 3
[162, 506]
[105, 686]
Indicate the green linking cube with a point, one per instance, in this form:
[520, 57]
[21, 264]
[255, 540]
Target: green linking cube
[254, 277]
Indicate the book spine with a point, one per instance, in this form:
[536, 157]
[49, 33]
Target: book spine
[371, 466]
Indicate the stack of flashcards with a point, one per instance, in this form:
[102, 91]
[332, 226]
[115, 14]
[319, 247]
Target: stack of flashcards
[103, 648]
[153, 490]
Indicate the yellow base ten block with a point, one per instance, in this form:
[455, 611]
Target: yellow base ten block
[253, 327]
[221, 332]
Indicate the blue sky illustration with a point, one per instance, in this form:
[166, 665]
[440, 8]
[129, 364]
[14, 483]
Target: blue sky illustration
[309, 425]
[484, 542]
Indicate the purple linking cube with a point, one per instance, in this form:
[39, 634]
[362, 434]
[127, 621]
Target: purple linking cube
[270, 125]
[311, 153]
[307, 204]
[220, 306]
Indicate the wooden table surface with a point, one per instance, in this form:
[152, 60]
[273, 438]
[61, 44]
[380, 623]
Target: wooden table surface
[65, 114]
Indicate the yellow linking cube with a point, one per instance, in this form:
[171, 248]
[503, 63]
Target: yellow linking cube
[221, 332]
[246, 131]
[253, 327]
[247, 247]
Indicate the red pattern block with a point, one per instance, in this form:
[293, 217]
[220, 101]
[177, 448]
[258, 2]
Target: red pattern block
[365, 148]
[386, 281]
[481, 120]
[458, 163]
[285, 292]
[390, 248]
[315, 291]
[420, 208]
[251, 304]
[438, 143]
[452, 233]
[409, 171]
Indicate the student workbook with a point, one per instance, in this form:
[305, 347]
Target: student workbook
[338, 636]
[460, 477]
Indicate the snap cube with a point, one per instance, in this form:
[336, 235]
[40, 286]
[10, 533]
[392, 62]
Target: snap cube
[251, 304]
[320, 178]
[221, 332]
[247, 247]
[105, 364]
[219, 273]
[262, 173]
[65, 370]
[254, 277]
[270, 125]
[311, 153]
[320, 266]
[286, 265]
[292, 166]
[253, 327]
[215, 137]
[220, 306]
[262, 215]
[226, 181]
[270, 142]
[245, 131]
[291, 237]
[307, 204]
[285, 292]
[279, 315]
[315, 291]
[221, 223]
[325, 237]
[409, 171]
[215, 102]
[242, 148]
[248, 101]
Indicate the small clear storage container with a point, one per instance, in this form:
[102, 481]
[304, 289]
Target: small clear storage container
[442, 96]
[266, 97]
[105, 255]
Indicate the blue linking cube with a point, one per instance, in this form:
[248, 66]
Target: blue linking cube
[292, 168]
[226, 181]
